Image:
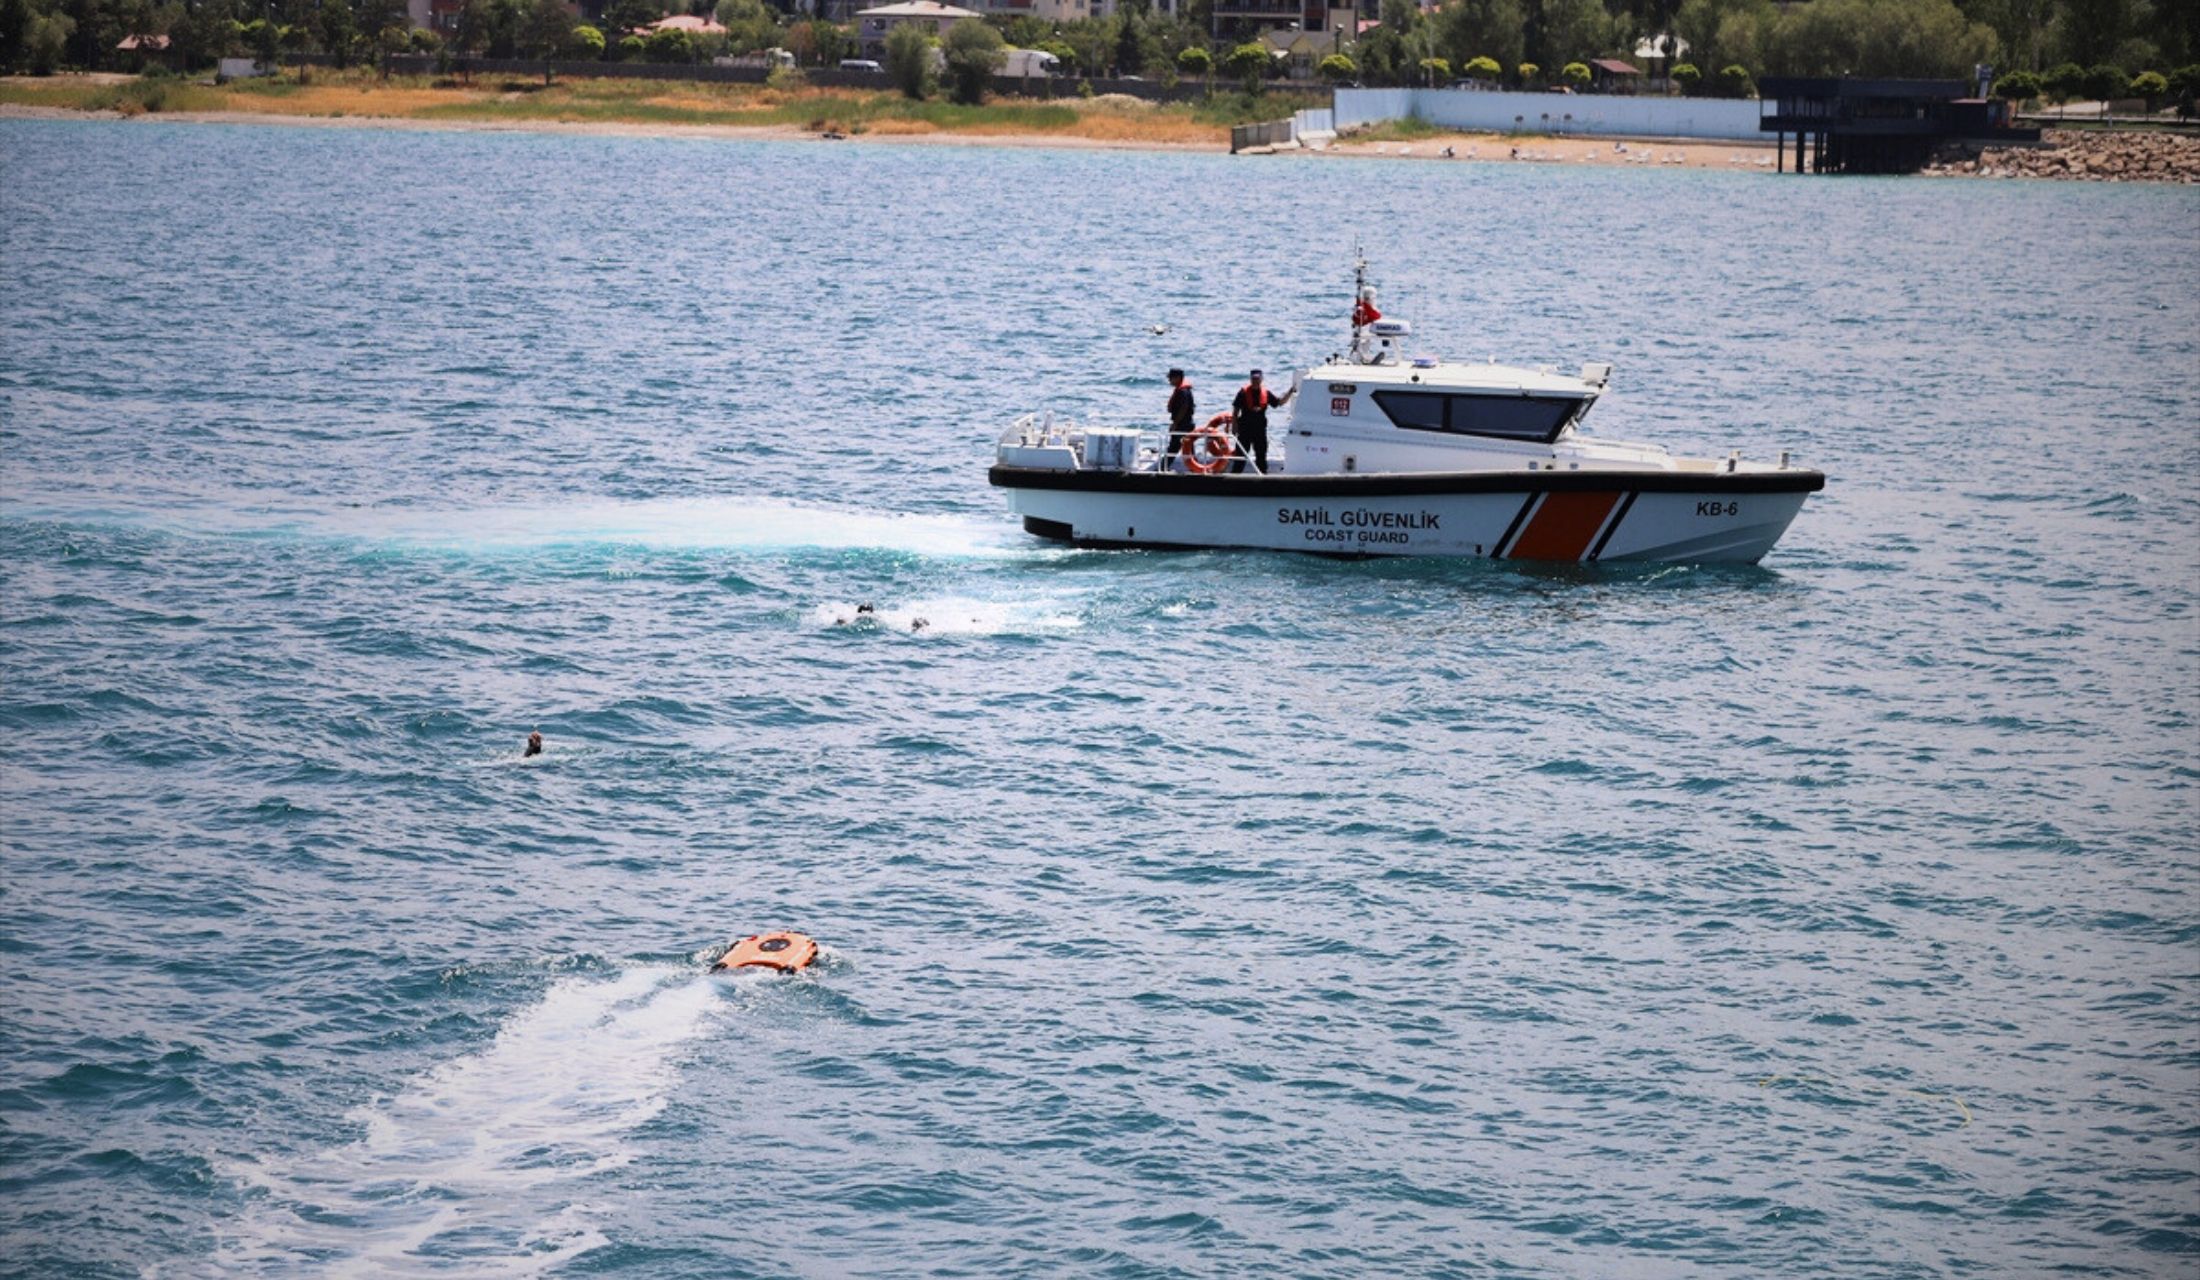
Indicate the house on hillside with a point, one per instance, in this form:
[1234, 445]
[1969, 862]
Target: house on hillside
[872, 25]
[1253, 19]
[1659, 53]
[1299, 54]
[696, 27]
[144, 51]
[1057, 10]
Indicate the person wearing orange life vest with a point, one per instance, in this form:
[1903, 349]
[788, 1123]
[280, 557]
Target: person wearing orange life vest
[1250, 411]
[1180, 417]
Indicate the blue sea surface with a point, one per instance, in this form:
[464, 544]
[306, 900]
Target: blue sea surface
[1185, 914]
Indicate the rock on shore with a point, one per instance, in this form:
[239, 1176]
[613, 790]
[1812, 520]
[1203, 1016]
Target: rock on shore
[2085, 155]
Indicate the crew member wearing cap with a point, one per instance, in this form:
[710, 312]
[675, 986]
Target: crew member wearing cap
[1250, 413]
[1180, 415]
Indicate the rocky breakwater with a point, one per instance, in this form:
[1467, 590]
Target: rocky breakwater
[2086, 155]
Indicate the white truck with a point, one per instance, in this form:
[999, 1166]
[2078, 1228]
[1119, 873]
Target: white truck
[769, 59]
[1023, 64]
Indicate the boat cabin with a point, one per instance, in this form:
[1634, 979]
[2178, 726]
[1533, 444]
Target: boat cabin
[1381, 411]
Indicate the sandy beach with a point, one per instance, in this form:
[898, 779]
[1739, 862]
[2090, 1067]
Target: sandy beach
[1645, 152]
[610, 129]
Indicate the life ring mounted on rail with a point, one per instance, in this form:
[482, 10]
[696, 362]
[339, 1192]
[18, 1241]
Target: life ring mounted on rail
[1211, 448]
[786, 952]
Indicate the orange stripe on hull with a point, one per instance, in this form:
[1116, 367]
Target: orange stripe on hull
[1563, 526]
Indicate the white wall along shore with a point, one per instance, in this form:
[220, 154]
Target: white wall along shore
[1733, 119]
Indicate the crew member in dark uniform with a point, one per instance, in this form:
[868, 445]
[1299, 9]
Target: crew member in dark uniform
[1180, 417]
[1250, 411]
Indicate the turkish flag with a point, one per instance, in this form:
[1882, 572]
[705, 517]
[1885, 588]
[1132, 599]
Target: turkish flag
[1364, 312]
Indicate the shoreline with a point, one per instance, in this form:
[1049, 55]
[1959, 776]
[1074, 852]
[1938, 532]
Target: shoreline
[1738, 155]
[1484, 148]
[612, 129]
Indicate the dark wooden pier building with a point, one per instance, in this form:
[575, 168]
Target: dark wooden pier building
[1842, 125]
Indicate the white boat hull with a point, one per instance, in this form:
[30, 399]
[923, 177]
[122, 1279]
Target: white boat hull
[1573, 516]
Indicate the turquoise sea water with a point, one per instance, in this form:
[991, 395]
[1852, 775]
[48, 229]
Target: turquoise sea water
[1186, 915]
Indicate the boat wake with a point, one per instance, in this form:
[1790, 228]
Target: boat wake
[670, 524]
[698, 524]
[478, 1166]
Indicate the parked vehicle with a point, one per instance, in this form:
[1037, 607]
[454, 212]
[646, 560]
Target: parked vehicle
[1026, 63]
[770, 59]
[860, 64]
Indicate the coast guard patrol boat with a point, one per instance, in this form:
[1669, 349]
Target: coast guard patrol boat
[1385, 454]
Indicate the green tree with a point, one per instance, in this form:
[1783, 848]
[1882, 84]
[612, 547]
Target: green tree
[1719, 32]
[2021, 27]
[46, 42]
[624, 16]
[1561, 31]
[1481, 70]
[2184, 86]
[819, 43]
[203, 33]
[633, 48]
[973, 52]
[2093, 31]
[1489, 29]
[2151, 85]
[263, 39]
[749, 26]
[583, 44]
[2017, 86]
[15, 22]
[1337, 68]
[668, 44]
[2063, 81]
[1575, 74]
[1090, 39]
[95, 27]
[1195, 63]
[1929, 39]
[545, 30]
[2106, 82]
[1526, 74]
[1435, 71]
[1130, 30]
[1686, 77]
[1249, 64]
[294, 39]
[338, 32]
[909, 61]
[1735, 82]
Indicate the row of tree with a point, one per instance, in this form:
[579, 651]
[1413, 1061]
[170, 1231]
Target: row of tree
[1410, 45]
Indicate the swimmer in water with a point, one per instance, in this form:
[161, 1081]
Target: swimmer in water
[534, 743]
[919, 624]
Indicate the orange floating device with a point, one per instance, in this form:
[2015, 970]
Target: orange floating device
[786, 952]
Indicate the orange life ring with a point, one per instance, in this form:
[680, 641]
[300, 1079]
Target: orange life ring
[1221, 446]
[786, 952]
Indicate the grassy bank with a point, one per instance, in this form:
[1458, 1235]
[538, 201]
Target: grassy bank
[491, 99]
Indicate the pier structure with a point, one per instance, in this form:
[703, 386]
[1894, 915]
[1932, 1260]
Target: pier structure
[1843, 125]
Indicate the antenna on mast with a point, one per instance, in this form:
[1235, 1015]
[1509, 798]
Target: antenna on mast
[1363, 303]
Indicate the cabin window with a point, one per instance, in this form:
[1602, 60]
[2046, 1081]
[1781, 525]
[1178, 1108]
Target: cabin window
[1413, 410]
[1505, 417]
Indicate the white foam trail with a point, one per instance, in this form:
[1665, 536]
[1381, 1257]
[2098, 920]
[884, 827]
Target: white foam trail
[950, 616]
[731, 523]
[480, 1154]
[692, 524]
